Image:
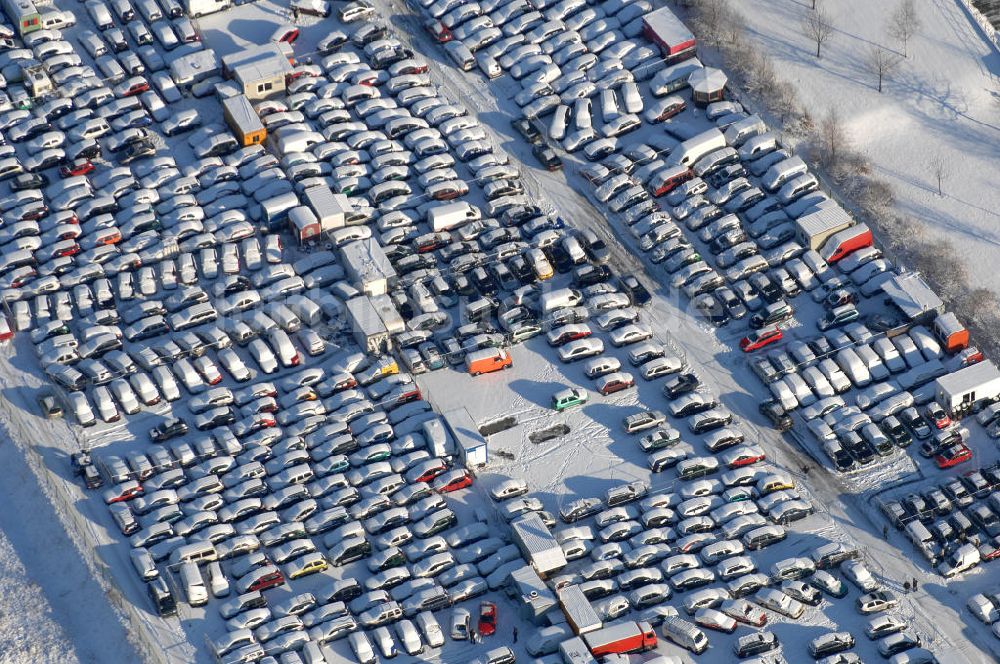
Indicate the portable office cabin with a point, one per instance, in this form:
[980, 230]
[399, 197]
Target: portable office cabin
[261, 71]
[580, 615]
[24, 15]
[813, 229]
[663, 28]
[367, 266]
[330, 208]
[968, 389]
[304, 224]
[471, 444]
[708, 85]
[243, 120]
[369, 330]
[536, 600]
[537, 544]
[911, 295]
[36, 80]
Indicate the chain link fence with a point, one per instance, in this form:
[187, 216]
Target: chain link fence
[138, 624]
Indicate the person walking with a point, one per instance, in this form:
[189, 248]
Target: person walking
[515, 635]
[885, 532]
[295, 14]
[914, 584]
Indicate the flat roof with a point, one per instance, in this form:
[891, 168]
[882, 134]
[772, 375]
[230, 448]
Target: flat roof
[968, 378]
[242, 112]
[365, 316]
[912, 295]
[667, 26]
[366, 259]
[823, 220]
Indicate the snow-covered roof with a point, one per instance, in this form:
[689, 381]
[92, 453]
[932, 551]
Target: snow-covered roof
[707, 79]
[911, 294]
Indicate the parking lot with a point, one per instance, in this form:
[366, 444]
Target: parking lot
[242, 439]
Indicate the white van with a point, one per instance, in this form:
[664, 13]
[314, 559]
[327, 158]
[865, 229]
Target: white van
[741, 131]
[758, 146]
[685, 634]
[782, 172]
[697, 147]
[559, 299]
[195, 552]
[193, 585]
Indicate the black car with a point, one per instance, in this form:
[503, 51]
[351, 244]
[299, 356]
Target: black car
[860, 450]
[769, 290]
[711, 310]
[527, 129]
[588, 275]
[637, 293]
[725, 174]
[168, 429]
[561, 260]
[138, 150]
[896, 432]
[547, 157]
[679, 385]
[776, 414]
[755, 644]
[163, 600]
[483, 281]
[521, 270]
[28, 181]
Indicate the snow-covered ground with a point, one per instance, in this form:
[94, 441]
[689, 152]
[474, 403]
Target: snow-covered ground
[939, 104]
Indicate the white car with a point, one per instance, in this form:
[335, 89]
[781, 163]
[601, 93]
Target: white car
[511, 488]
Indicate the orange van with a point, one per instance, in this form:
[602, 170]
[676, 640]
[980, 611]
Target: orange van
[487, 361]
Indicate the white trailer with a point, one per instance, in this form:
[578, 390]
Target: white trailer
[471, 444]
[369, 330]
[580, 614]
[968, 389]
[537, 544]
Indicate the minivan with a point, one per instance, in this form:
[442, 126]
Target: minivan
[193, 584]
[685, 634]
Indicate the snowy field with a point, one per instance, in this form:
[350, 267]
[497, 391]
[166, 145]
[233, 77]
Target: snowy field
[939, 104]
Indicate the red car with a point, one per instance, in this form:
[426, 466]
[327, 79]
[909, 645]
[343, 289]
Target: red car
[78, 167]
[487, 618]
[438, 30]
[747, 457]
[935, 413]
[453, 481]
[760, 339]
[123, 492]
[267, 581]
[952, 456]
[616, 383]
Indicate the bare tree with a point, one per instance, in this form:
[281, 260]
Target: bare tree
[833, 141]
[882, 63]
[940, 171]
[904, 22]
[818, 27]
[714, 16]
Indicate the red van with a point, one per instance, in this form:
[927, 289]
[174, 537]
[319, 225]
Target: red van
[487, 360]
